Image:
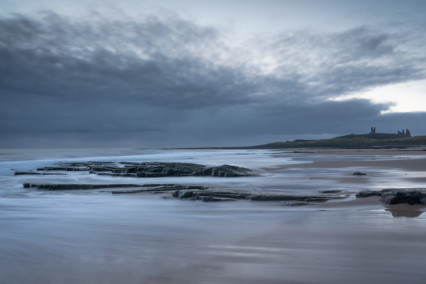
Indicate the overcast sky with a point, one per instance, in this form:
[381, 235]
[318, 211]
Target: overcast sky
[208, 73]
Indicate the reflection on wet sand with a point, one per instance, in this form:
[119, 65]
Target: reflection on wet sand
[403, 210]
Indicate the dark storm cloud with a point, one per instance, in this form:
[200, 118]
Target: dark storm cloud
[154, 62]
[363, 42]
[167, 81]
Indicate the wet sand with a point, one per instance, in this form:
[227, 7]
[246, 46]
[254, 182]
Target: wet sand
[410, 159]
[144, 239]
[409, 165]
[96, 237]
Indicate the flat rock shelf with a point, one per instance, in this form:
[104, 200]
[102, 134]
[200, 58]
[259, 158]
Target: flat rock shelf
[192, 192]
[146, 169]
[200, 192]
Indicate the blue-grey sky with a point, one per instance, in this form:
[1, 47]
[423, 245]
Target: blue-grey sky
[201, 73]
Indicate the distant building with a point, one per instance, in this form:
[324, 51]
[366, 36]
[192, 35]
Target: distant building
[407, 132]
[400, 133]
[404, 133]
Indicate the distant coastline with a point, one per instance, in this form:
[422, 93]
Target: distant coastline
[351, 141]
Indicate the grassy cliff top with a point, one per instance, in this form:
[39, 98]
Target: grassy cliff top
[352, 141]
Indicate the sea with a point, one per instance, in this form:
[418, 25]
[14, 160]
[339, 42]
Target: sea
[93, 236]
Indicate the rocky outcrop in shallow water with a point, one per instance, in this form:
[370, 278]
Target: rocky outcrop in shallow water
[21, 173]
[397, 196]
[409, 197]
[368, 193]
[65, 186]
[190, 192]
[150, 169]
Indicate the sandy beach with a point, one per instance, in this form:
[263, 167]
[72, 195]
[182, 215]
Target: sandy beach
[95, 237]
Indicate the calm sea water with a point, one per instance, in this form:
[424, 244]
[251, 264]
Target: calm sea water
[97, 237]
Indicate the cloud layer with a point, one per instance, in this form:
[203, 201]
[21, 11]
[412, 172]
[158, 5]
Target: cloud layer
[167, 81]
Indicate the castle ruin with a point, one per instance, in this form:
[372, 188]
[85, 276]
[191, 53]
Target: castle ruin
[402, 133]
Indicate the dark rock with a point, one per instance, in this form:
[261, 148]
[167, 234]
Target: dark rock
[60, 186]
[200, 187]
[201, 194]
[156, 184]
[68, 169]
[222, 194]
[318, 199]
[114, 174]
[146, 190]
[185, 194]
[191, 192]
[215, 199]
[359, 174]
[128, 191]
[397, 196]
[409, 196]
[296, 203]
[224, 171]
[150, 169]
[275, 197]
[146, 187]
[210, 195]
[330, 191]
[160, 188]
[165, 188]
[368, 193]
[18, 173]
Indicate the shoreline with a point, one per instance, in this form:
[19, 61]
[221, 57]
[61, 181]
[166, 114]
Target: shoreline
[341, 169]
[93, 235]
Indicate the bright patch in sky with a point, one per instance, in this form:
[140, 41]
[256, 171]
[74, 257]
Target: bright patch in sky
[402, 97]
